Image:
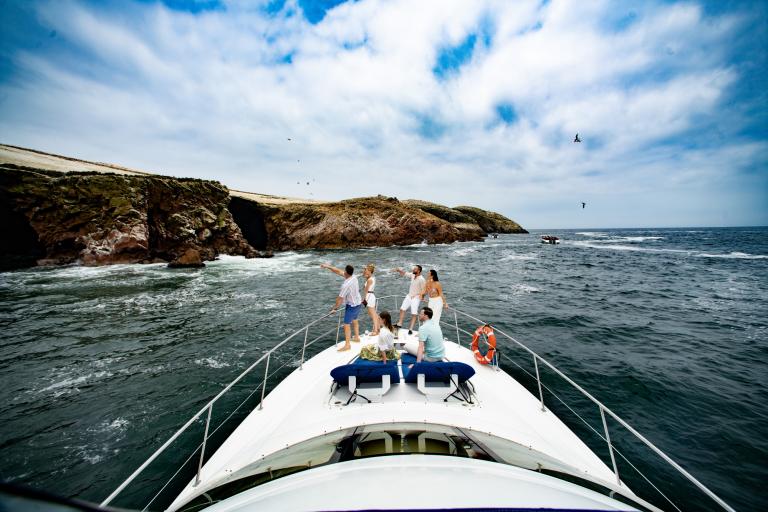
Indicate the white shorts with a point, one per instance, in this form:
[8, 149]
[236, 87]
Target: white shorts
[411, 303]
[371, 300]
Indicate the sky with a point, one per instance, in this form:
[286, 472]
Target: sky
[472, 102]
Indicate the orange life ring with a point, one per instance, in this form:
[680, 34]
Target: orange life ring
[488, 332]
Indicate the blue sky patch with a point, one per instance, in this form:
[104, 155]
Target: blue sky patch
[487, 30]
[428, 127]
[506, 112]
[450, 59]
[274, 6]
[314, 10]
[193, 6]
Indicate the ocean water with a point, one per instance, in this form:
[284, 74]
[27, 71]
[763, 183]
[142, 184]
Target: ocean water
[667, 327]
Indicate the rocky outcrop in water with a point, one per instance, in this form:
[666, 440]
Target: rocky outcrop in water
[101, 218]
[491, 222]
[461, 221]
[362, 222]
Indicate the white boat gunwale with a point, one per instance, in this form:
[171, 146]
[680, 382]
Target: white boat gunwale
[619, 488]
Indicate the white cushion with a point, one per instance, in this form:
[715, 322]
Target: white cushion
[412, 346]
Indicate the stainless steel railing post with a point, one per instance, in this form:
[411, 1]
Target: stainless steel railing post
[264, 384]
[338, 328]
[304, 348]
[538, 381]
[205, 440]
[456, 323]
[610, 446]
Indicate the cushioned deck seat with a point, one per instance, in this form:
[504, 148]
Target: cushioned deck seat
[366, 373]
[439, 372]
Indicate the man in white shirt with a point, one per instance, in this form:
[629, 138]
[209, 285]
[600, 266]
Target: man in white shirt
[415, 294]
[349, 295]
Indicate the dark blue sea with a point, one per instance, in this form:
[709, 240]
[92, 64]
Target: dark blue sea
[666, 327]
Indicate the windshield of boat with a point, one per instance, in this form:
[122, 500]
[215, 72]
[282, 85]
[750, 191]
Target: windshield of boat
[374, 441]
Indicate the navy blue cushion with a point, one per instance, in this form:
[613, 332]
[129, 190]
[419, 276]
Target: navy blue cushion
[365, 373]
[407, 358]
[439, 372]
[367, 362]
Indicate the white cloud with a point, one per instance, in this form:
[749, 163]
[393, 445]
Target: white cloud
[208, 95]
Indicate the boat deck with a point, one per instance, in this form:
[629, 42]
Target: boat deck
[307, 404]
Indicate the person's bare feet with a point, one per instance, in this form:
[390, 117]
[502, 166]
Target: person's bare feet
[374, 334]
[345, 348]
[356, 340]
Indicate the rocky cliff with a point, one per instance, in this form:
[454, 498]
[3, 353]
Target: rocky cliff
[461, 221]
[59, 210]
[361, 222]
[491, 222]
[102, 218]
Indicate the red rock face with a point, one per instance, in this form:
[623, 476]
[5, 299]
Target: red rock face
[364, 222]
[118, 246]
[98, 219]
[190, 259]
[102, 218]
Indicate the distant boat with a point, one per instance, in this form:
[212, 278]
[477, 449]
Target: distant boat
[549, 239]
[493, 235]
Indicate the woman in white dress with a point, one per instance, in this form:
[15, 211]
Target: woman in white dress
[436, 298]
[369, 298]
[386, 340]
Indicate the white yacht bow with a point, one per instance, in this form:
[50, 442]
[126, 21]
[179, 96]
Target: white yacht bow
[390, 437]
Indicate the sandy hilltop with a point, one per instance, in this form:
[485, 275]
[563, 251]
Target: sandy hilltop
[62, 210]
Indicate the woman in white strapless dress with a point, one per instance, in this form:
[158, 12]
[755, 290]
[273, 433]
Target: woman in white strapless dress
[436, 298]
[369, 298]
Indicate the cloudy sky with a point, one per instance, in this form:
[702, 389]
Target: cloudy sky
[458, 102]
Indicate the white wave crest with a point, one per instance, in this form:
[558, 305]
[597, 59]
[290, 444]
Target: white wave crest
[72, 383]
[524, 288]
[464, 251]
[735, 256]
[117, 425]
[518, 257]
[210, 362]
[640, 238]
[593, 244]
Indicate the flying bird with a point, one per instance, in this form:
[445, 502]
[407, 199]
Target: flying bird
[577, 139]
[289, 139]
[583, 205]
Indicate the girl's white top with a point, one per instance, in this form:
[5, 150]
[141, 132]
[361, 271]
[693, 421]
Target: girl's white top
[386, 339]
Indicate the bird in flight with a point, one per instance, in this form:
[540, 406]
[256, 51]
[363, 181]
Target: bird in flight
[583, 205]
[577, 139]
[289, 139]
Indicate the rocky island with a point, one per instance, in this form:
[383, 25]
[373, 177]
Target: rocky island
[60, 210]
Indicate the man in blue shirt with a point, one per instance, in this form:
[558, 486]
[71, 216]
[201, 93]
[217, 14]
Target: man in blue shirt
[431, 344]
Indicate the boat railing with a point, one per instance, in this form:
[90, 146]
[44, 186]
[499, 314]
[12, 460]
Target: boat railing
[266, 358]
[603, 409]
[207, 409]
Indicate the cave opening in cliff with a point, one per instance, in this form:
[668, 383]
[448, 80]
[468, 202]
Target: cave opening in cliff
[250, 219]
[21, 247]
[154, 238]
